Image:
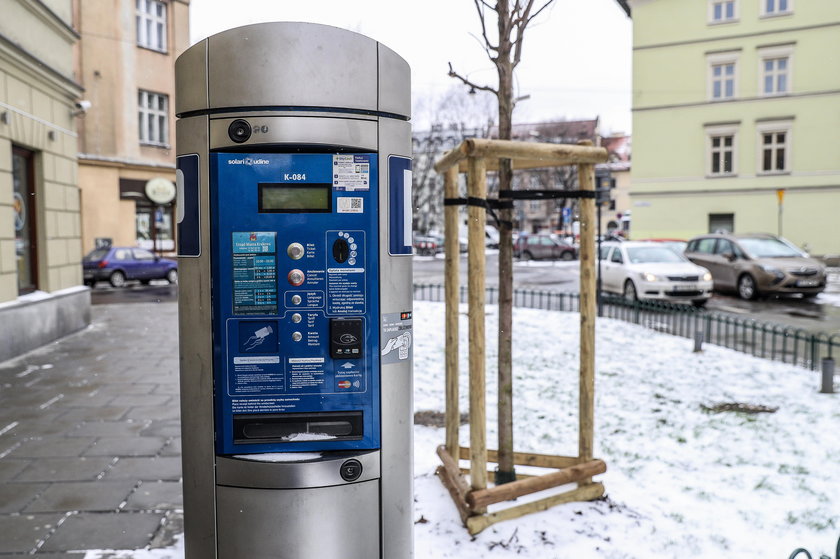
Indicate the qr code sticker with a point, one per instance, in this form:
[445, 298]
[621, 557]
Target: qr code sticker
[350, 205]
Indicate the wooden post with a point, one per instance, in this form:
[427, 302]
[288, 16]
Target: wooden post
[476, 524]
[588, 311]
[515, 489]
[451, 287]
[477, 188]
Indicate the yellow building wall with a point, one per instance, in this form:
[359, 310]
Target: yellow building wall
[113, 68]
[37, 100]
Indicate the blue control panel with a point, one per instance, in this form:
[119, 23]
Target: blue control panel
[294, 256]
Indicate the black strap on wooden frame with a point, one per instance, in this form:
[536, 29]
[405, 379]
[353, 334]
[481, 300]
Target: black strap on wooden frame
[545, 194]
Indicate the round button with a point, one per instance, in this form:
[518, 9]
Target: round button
[352, 261]
[351, 240]
[351, 470]
[296, 277]
[352, 254]
[296, 299]
[353, 246]
[295, 251]
[297, 336]
[346, 235]
[296, 317]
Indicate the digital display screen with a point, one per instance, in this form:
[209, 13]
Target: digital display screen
[291, 198]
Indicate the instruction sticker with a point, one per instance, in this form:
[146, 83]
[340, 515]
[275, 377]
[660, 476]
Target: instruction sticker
[396, 337]
[351, 172]
[254, 273]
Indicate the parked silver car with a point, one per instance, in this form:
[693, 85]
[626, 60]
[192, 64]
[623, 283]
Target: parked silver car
[757, 264]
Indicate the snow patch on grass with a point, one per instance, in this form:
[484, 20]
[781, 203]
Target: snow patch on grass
[680, 480]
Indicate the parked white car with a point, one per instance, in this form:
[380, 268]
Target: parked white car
[649, 270]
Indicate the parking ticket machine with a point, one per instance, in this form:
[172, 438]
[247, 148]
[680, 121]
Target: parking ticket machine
[294, 239]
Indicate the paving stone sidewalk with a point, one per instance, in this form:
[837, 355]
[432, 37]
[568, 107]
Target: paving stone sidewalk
[90, 440]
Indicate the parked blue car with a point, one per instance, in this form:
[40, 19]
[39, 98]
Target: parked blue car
[120, 264]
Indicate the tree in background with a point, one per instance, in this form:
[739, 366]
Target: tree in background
[451, 117]
[512, 19]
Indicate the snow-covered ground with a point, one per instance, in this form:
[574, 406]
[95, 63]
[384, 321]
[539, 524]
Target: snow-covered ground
[681, 481]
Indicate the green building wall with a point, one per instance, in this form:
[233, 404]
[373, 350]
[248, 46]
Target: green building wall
[672, 193]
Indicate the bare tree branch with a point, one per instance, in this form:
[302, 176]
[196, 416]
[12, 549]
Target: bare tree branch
[539, 10]
[522, 22]
[454, 74]
[488, 46]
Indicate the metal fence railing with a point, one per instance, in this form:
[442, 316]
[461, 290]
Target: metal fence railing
[762, 339]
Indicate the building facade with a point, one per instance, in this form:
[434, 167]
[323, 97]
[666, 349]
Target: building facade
[736, 119]
[125, 60]
[562, 216]
[41, 296]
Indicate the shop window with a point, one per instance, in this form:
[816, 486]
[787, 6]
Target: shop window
[154, 227]
[23, 204]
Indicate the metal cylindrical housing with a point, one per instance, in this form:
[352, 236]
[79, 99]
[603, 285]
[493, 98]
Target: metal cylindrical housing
[283, 88]
[271, 66]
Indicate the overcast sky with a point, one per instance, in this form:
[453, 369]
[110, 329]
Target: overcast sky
[575, 63]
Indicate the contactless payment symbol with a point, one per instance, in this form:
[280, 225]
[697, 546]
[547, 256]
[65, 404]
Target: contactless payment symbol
[400, 344]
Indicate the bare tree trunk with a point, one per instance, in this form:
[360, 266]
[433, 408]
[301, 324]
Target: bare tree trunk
[505, 472]
[506, 55]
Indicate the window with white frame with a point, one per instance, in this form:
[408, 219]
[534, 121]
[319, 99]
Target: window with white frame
[776, 7]
[151, 24]
[153, 112]
[721, 150]
[723, 11]
[723, 81]
[774, 76]
[775, 70]
[723, 75]
[774, 147]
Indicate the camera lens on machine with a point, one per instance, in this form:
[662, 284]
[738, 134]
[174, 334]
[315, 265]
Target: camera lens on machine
[239, 131]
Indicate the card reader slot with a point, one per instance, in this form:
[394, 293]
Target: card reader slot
[297, 427]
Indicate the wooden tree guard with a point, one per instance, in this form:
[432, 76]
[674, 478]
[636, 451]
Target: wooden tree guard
[476, 157]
